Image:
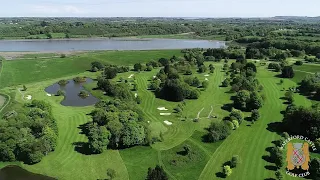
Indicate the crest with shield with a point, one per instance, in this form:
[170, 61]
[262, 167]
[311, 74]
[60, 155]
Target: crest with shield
[298, 156]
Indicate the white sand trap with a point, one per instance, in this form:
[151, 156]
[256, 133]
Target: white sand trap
[29, 97]
[206, 75]
[165, 114]
[49, 95]
[162, 109]
[131, 76]
[167, 123]
[135, 95]
[206, 79]
[148, 121]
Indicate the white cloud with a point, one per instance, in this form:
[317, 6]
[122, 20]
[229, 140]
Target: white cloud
[57, 9]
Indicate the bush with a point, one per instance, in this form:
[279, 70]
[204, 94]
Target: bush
[226, 82]
[218, 131]
[63, 56]
[255, 115]
[111, 173]
[235, 124]
[298, 63]
[80, 79]
[60, 93]
[83, 94]
[237, 114]
[235, 160]
[157, 174]
[63, 82]
[227, 171]
[205, 84]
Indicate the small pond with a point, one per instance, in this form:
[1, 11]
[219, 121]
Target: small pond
[18, 173]
[72, 89]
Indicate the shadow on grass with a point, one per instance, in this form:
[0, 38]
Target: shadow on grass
[220, 175]
[269, 179]
[84, 128]
[227, 107]
[271, 167]
[82, 147]
[275, 127]
[267, 158]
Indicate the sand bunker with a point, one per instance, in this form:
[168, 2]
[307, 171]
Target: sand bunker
[49, 95]
[154, 77]
[206, 79]
[131, 76]
[162, 109]
[206, 75]
[167, 123]
[165, 114]
[135, 95]
[29, 97]
[148, 121]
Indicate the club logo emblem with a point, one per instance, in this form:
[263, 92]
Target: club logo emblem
[298, 156]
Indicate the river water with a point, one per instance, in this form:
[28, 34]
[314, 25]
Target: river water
[104, 44]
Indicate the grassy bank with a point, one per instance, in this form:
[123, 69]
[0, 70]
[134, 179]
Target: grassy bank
[28, 70]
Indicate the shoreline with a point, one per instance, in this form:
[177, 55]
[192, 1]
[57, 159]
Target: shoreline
[129, 38]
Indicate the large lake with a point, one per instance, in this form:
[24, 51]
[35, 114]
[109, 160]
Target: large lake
[105, 44]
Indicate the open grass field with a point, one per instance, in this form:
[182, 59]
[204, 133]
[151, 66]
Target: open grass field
[249, 141]
[44, 36]
[34, 70]
[184, 36]
[302, 71]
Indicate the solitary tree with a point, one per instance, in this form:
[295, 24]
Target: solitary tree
[234, 161]
[255, 115]
[287, 72]
[289, 97]
[111, 173]
[227, 170]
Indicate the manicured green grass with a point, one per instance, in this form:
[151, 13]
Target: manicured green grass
[250, 142]
[302, 71]
[44, 36]
[184, 36]
[34, 70]
[313, 68]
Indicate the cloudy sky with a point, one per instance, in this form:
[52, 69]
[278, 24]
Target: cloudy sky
[165, 8]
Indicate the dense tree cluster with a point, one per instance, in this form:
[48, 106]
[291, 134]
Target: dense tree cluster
[116, 124]
[170, 86]
[111, 71]
[275, 66]
[302, 121]
[30, 135]
[246, 100]
[310, 86]
[118, 90]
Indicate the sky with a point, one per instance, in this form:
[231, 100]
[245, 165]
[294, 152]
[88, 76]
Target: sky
[158, 8]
